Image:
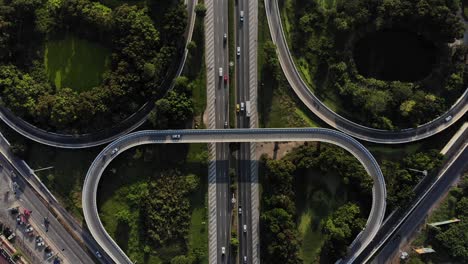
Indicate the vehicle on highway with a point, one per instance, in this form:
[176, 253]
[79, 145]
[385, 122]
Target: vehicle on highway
[240, 210]
[226, 78]
[225, 124]
[18, 220]
[98, 254]
[448, 118]
[223, 250]
[47, 249]
[238, 51]
[245, 228]
[245, 259]
[40, 241]
[220, 71]
[29, 229]
[225, 37]
[237, 108]
[114, 151]
[242, 106]
[176, 136]
[11, 236]
[242, 16]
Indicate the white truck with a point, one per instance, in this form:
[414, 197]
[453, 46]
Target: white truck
[247, 108]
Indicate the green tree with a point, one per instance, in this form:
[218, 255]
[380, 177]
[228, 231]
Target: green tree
[200, 9]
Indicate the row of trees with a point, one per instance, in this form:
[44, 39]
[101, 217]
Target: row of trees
[324, 37]
[141, 56]
[401, 177]
[449, 241]
[278, 228]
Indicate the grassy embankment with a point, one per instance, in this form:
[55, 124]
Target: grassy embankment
[277, 106]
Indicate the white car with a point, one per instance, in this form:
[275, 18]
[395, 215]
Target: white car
[49, 254]
[240, 210]
[242, 106]
[223, 250]
[114, 151]
[220, 71]
[241, 16]
[448, 118]
[98, 254]
[176, 136]
[238, 51]
[245, 228]
[29, 229]
[245, 259]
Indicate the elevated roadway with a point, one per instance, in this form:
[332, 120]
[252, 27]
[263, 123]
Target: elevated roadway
[104, 136]
[104, 158]
[333, 119]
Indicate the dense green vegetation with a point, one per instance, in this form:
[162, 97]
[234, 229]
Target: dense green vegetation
[278, 106]
[143, 42]
[450, 242]
[324, 36]
[316, 199]
[279, 216]
[153, 206]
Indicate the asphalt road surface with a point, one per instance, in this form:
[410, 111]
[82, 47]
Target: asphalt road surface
[61, 241]
[243, 155]
[223, 204]
[402, 234]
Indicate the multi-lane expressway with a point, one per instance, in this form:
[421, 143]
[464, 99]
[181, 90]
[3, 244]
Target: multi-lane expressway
[221, 113]
[336, 121]
[244, 168]
[104, 158]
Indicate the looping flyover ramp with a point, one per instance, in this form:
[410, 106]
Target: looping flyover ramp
[118, 146]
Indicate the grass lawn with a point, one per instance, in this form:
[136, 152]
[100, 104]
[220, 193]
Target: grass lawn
[137, 166]
[76, 63]
[317, 196]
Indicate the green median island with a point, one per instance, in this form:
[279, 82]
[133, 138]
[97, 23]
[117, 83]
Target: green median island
[73, 62]
[153, 202]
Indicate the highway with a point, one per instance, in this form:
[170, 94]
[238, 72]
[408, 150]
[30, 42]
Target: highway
[223, 194]
[398, 231]
[401, 235]
[42, 201]
[336, 121]
[106, 135]
[56, 236]
[243, 157]
[104, 158]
